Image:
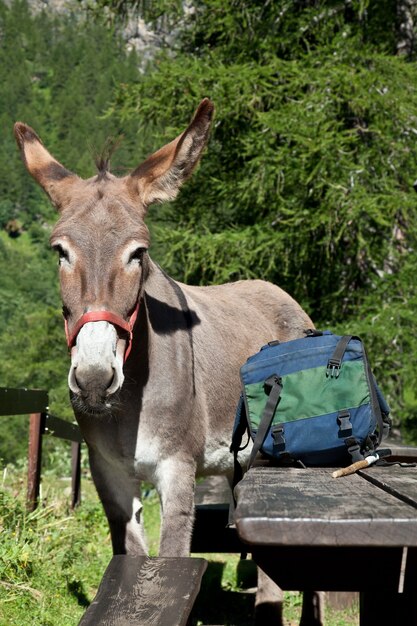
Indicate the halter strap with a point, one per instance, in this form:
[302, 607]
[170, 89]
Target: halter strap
[104, 316]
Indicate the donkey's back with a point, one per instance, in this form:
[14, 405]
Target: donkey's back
[221, 327]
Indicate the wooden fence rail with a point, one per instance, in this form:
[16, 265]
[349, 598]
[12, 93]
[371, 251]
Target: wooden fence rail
[34, 402]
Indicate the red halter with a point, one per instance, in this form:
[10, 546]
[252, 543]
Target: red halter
[104, 316]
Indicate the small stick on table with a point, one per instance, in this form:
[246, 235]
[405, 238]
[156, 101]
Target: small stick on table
[351, 469]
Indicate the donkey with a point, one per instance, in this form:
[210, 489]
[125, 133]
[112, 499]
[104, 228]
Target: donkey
[154, 375]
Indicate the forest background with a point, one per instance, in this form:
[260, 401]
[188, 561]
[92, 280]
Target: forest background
[307, 180]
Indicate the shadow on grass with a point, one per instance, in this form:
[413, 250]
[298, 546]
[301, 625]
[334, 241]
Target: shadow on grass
[215, 605]
[76, 588]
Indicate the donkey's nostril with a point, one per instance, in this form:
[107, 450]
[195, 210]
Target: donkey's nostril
[115, 383]
[111, 381]
[72, 381]
[77, 381]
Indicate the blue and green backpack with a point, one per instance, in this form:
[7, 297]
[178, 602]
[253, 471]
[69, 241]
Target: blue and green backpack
[312, 400]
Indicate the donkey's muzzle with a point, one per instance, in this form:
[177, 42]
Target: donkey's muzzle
[96, 371]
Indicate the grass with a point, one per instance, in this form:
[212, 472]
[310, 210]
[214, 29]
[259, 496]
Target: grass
[52, 561]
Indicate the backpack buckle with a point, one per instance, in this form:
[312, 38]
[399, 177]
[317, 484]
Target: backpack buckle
[354, 449]
[277, 433]
[345, 425]
[333, 368]
[270, 382]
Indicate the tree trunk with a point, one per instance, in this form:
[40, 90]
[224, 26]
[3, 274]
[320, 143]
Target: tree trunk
[406, 12]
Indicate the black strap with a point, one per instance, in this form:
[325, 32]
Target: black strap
[376, 408]
[335, 362]
[241, 426]
[385, 463]
[354, 449]
[403, 454]
[267, 417]
[386, 420]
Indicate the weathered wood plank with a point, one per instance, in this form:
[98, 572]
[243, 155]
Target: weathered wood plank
[142, 590]
[288, 506]
[342, 600]
[22, 401]
[63, 429]
[398, 481]
[213, 490]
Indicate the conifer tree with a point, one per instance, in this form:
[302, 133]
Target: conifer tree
[307, 181]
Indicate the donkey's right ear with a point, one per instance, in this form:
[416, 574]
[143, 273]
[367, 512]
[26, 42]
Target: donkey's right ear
[160, 177]
[47, 171]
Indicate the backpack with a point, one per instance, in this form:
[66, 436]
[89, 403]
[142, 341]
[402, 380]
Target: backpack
[312, 400]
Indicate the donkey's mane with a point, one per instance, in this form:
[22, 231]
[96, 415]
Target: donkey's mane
[102, 158]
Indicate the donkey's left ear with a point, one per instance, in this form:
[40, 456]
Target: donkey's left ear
[160, 177]
[47, 171]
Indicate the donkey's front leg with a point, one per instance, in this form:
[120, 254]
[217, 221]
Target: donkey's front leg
[119, 493]
[175, 484]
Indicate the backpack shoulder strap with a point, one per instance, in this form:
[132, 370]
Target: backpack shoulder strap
[267, 415]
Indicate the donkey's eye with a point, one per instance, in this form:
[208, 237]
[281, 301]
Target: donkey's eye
[137, 255]
[63, 254]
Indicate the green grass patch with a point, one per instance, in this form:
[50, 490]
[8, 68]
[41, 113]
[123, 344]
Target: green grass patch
[51, 560]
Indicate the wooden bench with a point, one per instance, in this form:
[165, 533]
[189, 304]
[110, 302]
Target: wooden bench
[162, 591]
[310, 531]
[139, 590]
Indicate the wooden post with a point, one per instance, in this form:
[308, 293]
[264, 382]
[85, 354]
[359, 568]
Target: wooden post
[75, 473]
[36, 429]
[342, 600]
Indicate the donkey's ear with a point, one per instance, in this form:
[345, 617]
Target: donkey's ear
[51, 175]
[162, 174]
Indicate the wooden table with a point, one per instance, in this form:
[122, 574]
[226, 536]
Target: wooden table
[310, 531]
